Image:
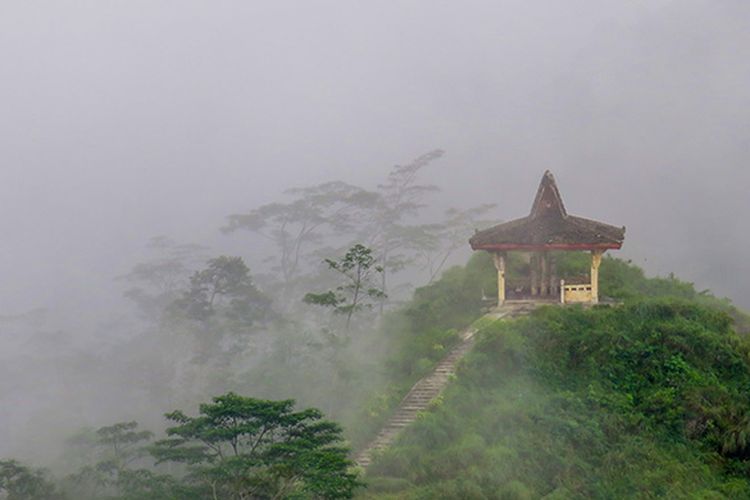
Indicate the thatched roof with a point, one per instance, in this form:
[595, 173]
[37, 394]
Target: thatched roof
[549, 227]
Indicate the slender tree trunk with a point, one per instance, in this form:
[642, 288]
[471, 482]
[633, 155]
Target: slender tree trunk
[355, 297]
[383, 283]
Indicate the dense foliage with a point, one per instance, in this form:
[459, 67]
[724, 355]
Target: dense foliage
[240, 448]
[645, 399]
[418, 334]
[621, 280]
[649, 399]
[236, 448]
[21, 482]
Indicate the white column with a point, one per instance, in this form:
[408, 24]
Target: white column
[596, 260]
[534, 273]
[553, 281]
[499, 259]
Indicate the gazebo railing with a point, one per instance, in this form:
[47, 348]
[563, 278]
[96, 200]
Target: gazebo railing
[575, 293]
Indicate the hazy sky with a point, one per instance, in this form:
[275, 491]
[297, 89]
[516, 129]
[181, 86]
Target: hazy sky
[121, 120]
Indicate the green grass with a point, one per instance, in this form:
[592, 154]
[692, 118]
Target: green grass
[420, 334]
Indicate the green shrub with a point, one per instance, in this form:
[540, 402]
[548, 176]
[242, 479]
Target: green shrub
[648, 399]
[651, 399]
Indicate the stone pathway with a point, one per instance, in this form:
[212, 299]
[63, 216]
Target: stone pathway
[428, 388]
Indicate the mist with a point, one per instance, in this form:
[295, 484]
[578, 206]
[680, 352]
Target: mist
[122, 121]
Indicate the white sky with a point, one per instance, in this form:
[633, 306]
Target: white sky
[121, 120]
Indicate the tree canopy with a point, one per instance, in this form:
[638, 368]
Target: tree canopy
[240, 447]
[20, 482]
[358, 291]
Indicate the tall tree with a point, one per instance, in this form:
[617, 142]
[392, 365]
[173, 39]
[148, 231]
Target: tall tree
[389, 230]
[323, 218]
[241, 448]
[20, 482]
[313, 214]
[123, 442]
[223, 311]
[358, 269]
[157, 282]
[116, 448]
[450, 235]
[225, 285]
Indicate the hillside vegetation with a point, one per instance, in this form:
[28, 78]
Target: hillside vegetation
[649, 399]
[646, 399]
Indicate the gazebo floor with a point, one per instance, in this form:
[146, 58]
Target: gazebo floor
[532, 298]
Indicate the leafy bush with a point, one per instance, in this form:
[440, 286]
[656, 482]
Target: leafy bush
[645, 400]
[575, 384]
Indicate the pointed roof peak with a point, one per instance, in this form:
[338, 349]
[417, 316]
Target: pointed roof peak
[548, 201]
[548, 227]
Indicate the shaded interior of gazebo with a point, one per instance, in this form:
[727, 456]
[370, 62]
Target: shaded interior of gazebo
[540, 237]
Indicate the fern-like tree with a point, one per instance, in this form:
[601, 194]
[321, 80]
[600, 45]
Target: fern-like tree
[358, 269]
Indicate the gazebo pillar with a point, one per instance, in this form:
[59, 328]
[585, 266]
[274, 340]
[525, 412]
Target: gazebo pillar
[543, 273]
[554, 283]
[499, 259]
[596, 260]
[546, 231]
[534, 273]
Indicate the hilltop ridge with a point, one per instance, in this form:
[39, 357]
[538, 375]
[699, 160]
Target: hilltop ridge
[647, 400]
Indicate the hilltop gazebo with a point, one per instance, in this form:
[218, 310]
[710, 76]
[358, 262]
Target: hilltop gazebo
[548, 228]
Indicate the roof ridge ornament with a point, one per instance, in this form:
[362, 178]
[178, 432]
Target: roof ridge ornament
[548, 201]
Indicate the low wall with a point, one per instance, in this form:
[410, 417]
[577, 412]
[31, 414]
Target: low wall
[576, 293]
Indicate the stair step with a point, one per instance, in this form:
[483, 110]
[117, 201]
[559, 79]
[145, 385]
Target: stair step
[428, 388]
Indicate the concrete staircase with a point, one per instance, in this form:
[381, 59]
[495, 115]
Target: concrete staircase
[428, 388]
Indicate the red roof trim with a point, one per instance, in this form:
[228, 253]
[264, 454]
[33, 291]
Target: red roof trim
[550, 246]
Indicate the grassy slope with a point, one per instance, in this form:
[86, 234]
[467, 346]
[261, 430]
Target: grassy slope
[418, 335]
[647, 400]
